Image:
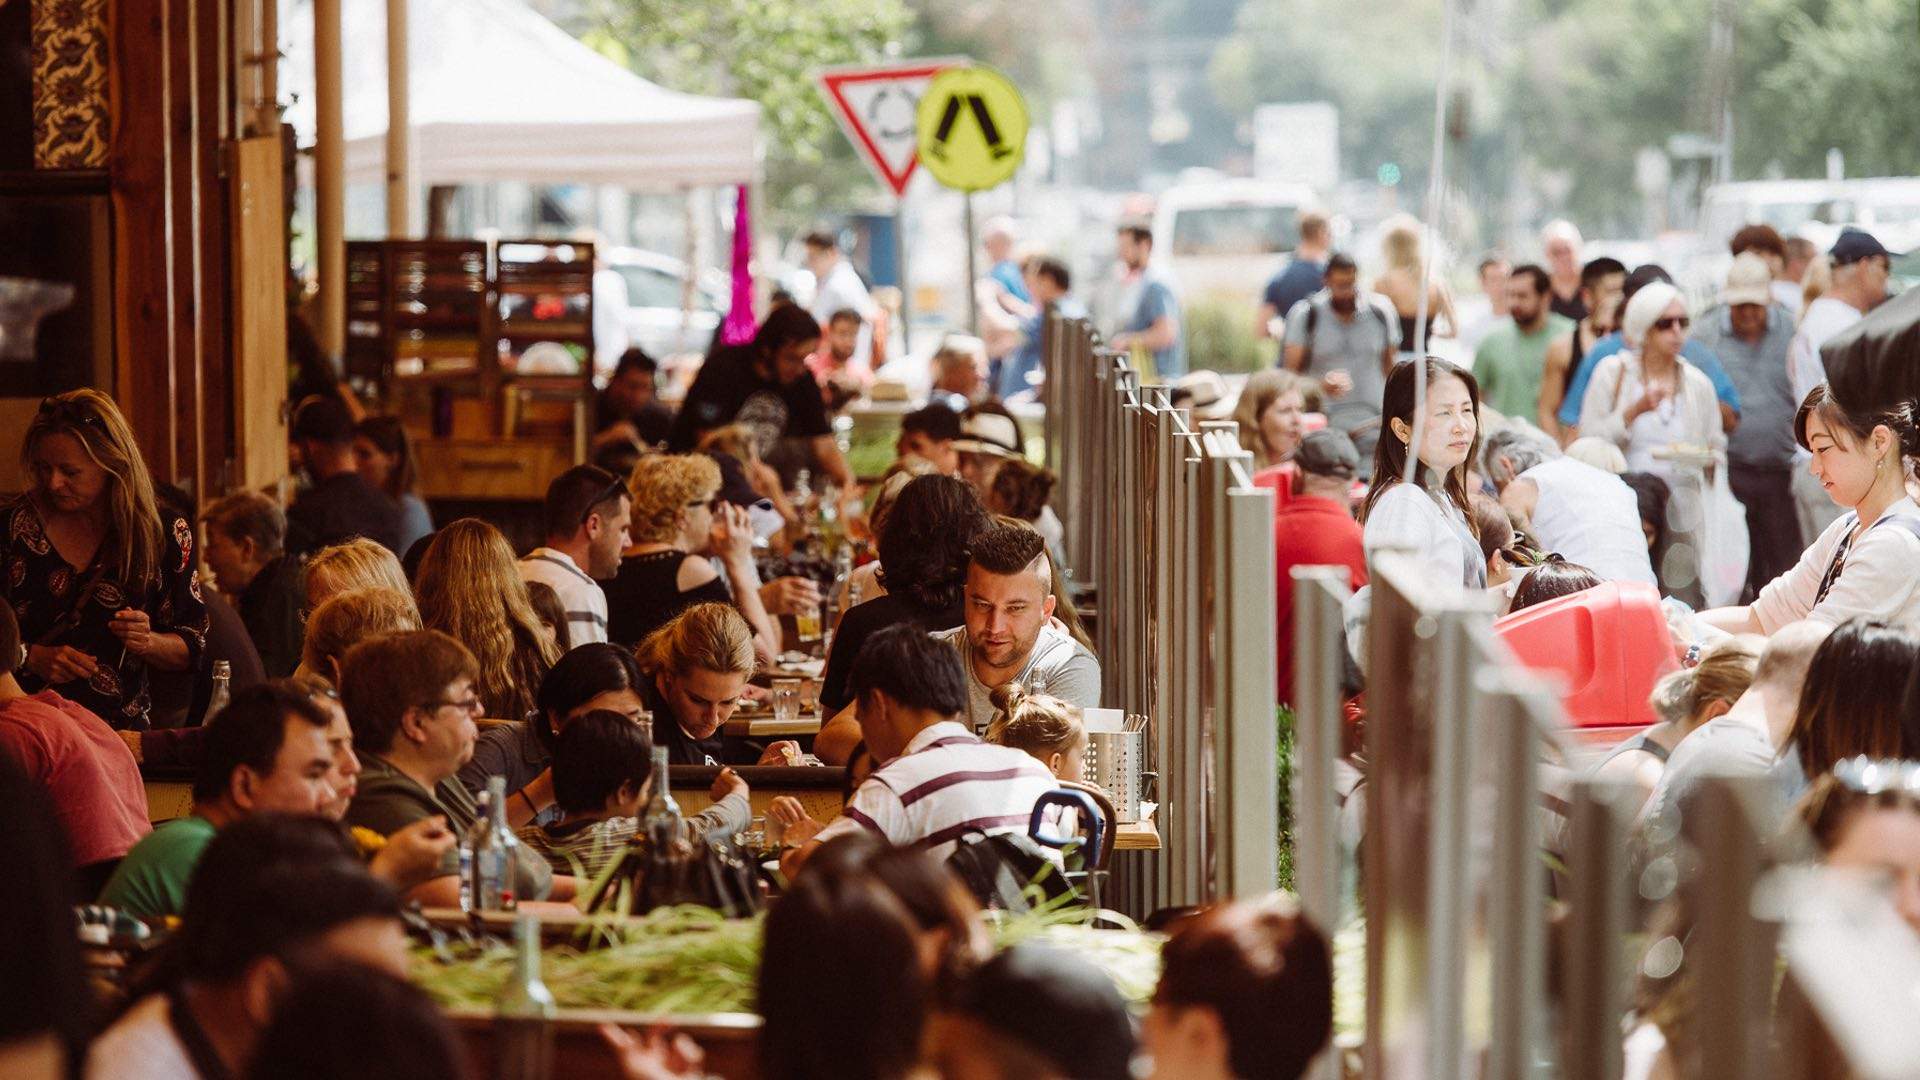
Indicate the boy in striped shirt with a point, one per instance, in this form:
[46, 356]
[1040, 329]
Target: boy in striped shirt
[936, 781]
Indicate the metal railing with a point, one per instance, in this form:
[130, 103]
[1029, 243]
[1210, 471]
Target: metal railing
[1173, 546]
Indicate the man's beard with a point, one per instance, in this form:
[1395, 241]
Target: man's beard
[1344, 307]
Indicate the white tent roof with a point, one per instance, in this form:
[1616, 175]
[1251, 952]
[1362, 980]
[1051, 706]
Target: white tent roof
[500, 93]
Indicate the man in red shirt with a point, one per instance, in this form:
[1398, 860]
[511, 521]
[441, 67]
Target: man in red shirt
[1315, 528]
[87, 773]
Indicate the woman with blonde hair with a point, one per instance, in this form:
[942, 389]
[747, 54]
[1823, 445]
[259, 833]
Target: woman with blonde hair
[470, 590]
[1400, 245]
[359, 563]
[696, 668]
[1684, 700]
[737, 441]
[100, 581]
[345, 620]
[1272, 413]
[678, 520]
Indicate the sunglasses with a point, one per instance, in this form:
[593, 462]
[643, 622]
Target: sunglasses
[71, 412]
[614, 490]
[1670, 322]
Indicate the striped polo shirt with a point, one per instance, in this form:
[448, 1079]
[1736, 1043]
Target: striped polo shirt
[585, 602]
[946, 784]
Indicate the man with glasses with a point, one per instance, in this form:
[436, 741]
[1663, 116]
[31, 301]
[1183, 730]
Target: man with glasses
[587, 513]
[1860, 268]
[411, 703]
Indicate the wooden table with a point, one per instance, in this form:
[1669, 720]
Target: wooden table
[1136, 836]
[729, 1039]
[764, 726]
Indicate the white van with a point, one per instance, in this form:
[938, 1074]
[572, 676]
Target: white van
[1222, 240]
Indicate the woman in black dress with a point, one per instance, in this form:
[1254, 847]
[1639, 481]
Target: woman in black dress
[678, 520]
[101, 583]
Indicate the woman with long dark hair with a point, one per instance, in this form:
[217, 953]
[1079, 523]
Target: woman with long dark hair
[1432, 515]
[1854, 699]
[100, 580]
[383, 455]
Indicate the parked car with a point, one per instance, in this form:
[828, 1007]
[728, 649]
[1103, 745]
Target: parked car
[657, 319]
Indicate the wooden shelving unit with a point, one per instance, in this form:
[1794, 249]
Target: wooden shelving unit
[484, 349]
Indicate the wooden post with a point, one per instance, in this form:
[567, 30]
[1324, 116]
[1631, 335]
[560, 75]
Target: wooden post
[330, 183]
[399, 125]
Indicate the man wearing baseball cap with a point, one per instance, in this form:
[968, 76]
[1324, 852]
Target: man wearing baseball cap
[1860, 268]
[1316, 528]
[1750, 332]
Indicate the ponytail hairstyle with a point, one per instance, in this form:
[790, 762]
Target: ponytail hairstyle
[1390, 453]
[1858, 427]
[704, 637]
[133, 542]
[1038, 724]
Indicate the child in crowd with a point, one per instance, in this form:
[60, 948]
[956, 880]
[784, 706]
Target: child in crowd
[1045, 727]
[601, 772]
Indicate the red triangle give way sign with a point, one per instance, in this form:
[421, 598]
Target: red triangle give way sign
[875, 105]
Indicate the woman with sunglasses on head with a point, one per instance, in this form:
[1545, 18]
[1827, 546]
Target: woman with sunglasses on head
[679, 520]
[1864, 563]
[1432, 515]
[101, 582]
[1651, 403]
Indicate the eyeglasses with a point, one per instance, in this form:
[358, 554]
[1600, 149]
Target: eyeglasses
[469, 705]
[1878, 776]
[1670, 322]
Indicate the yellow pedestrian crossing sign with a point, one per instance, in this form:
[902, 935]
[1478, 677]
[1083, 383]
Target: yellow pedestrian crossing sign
[973, 128]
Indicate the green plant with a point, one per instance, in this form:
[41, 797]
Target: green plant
[1220, 337]
[1283, 743]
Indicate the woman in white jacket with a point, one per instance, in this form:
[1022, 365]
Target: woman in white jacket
[1430, 516]
[1866, 564]
[1662, 414]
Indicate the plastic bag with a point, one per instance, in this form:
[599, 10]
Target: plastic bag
[1723, 543]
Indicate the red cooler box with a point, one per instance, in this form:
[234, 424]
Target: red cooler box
[1608, 646]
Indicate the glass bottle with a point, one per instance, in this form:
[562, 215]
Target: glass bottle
[524, 1011]
[221, 694]
[494, 847]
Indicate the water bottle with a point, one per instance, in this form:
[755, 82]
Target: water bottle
[662, 821]
[221, 694]
[468, 840]
[494, 847]
[524, 1011]
[667, 868]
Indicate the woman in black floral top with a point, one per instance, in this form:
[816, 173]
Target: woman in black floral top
[102, 585]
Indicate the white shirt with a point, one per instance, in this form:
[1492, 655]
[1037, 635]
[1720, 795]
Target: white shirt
[1058, 665]
[1435, 530]
[580, 596]
[1789, 295]
[141, 1046]
[1880, 579]
[841, 290]
[1592, 517]
[1825, 317]
[944, 785]
[1690, 417]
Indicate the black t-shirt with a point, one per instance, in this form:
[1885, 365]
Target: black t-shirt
[342, 507]
[731, 390]
[861, 622]
[644, 595]
[270, 606]
[1570, 306]
[684, 749]
[653, 420]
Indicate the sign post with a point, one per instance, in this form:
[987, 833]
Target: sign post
[972, 126]
[876, 106]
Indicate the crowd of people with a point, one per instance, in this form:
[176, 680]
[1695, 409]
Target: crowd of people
[379, 671]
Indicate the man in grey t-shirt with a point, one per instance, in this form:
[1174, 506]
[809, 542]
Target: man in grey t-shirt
[1008, 636]
[1344, 337]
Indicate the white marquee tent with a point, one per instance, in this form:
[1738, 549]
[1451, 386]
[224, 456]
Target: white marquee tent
[500, 93]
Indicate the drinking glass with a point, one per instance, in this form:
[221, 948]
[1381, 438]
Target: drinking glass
[786, 700]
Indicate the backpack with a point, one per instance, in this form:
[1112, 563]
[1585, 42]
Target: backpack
[1000, 869]
[1313, 320]
[703, 870]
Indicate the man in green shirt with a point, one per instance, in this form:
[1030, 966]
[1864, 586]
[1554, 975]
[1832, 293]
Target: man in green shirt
[267, 751]
[410, 699]
[1512, 356]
